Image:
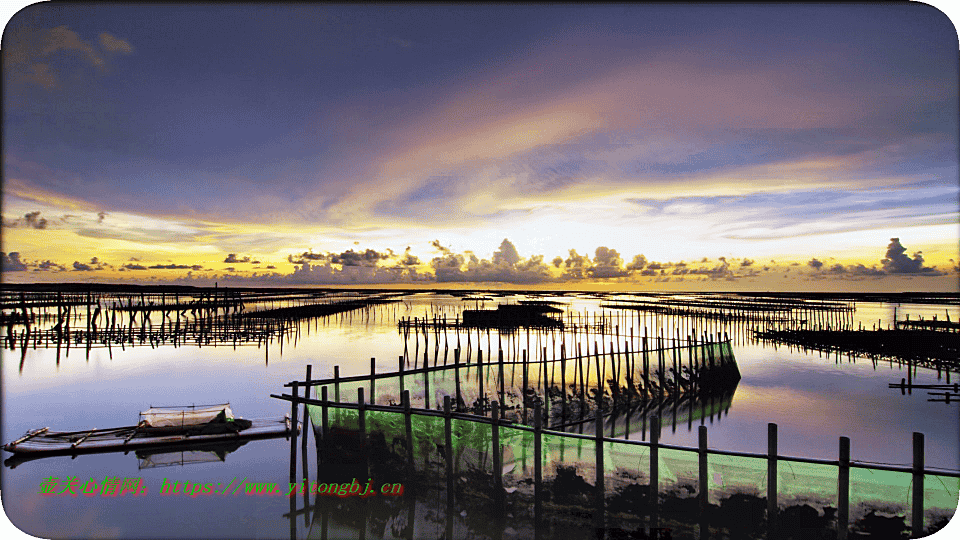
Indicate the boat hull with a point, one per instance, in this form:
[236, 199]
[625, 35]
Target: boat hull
[49, 444]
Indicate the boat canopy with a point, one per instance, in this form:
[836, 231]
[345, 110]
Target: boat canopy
[186, 416]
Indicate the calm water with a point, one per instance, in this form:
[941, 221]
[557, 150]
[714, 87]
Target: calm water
[812, 397]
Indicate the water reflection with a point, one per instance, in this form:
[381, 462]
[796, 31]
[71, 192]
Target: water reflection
[814, 397]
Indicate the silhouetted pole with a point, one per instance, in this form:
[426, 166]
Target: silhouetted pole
[771, 479]
[916, 522]
[295, 409]
[654, 471]
[843, 489]
[704, 496]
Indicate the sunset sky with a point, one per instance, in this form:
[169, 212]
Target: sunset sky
[760, 147]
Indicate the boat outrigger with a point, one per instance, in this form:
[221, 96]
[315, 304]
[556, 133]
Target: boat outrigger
[158, 427]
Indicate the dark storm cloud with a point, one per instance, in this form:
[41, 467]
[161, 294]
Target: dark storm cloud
[506, 254]
[308, 256]
[176, 267]
[897, 261]
[368, 257]
[576, 266]
[443, 250]
[30, 220]
[506, 266]
[638, 263]
[12, 262]
[409, 259]
[48, 265]
[607, 264]
[232, 258]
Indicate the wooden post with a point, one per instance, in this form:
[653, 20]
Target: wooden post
[336, 384]
[704, 486]
[563, 383]
[306, 417]
[408, 426]
[598, 439]
[295, 392]
[495, 449]
[843, 489]
[400, 361]
[324, 416]
[456, 375]
[538, 465]
[601, 374]
[362, 427]
[448, 458]
[654, 471]
[448, 445]
[426, 386]
[771, 479]
[916, 521]
[501, 376]
[373, 380]
[646, 368]
[526, 381]
[480, 378]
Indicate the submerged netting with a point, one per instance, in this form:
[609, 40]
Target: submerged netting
[568, 389]
[569, 473]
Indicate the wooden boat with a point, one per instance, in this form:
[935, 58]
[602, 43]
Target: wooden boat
[158, 427]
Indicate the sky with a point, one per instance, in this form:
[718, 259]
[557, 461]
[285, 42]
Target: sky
[601, 147]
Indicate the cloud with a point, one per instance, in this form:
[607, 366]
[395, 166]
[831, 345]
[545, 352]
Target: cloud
[507, 254]
[80, 267]
[575, 265]
[506, 266]
[369, 257]
[49, 265]
[327, 273]
[232, 258]
[11, 263]
[409, 259]
[129, 266]
[29, 220]
[114, 44]
[607, 264]
[308, 256]
[897, 261]
[441, 249]
[639, 261]
[815, 264]
[28, 51]
[176, 267]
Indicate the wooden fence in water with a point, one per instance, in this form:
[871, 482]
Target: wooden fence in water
[917, 483]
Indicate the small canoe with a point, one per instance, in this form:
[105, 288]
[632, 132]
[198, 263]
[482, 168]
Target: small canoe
[149, 433]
